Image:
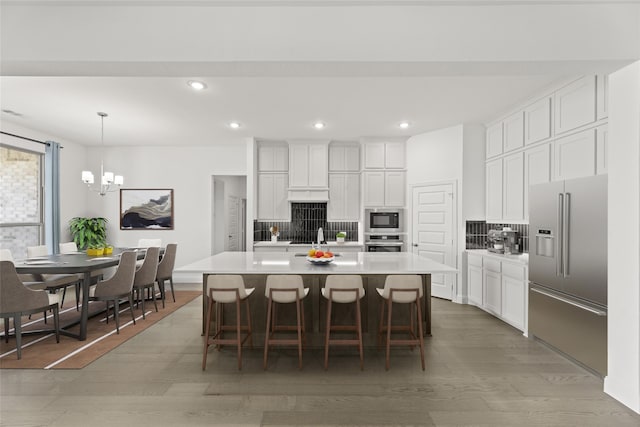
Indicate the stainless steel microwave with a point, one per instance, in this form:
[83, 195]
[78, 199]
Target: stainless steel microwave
[383, 220]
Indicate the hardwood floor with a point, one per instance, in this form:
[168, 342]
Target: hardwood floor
[480, 371]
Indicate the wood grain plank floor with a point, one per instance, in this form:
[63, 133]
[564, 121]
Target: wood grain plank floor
[480, 371]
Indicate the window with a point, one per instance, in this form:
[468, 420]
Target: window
[21, 218]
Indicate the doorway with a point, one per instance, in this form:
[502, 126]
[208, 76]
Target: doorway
[433, 231]
[229, 217]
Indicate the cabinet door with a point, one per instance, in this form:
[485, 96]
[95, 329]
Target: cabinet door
[537, 121]
[575, 155]
[299, 165]
[352, 197]
[266, 204]
[318, 168]
[474, 284]
[373, 189]
[494, 140]
[575, 104]
[514, 288]
[602, 96]
[352, 158]
[513, 132]
[273, 158]
[513, 185]
[494, 190]
[394, 155]
[337, 191]
[374, 155]
[493, 292]
[281, 204]
[602, 136]
[394, 189]
[537, 170]
[337, 158]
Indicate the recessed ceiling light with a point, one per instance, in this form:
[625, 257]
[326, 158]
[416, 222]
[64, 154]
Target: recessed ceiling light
[319, 125]
[234, 125]
[196, 85]
[404, 125]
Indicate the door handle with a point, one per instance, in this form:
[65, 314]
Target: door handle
[565, 238]
[559, 234]
[415, 245]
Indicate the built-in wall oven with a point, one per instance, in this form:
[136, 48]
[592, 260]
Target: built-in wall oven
[383, 221]
[384, 243]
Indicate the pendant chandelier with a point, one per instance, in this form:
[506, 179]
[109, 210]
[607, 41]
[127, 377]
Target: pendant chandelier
[108, 182]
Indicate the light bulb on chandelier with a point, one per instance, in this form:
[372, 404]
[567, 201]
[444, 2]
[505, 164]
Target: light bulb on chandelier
[108, 179]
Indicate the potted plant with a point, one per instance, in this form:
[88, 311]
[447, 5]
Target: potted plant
[89, 233]
[340, 236]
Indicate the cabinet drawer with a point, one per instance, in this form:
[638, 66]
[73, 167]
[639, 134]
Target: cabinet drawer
[475, 260]
[514, 271]
[492, 265]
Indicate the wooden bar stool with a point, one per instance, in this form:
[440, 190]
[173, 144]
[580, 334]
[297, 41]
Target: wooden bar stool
[402, 289]
[227, 289]
[343, 289]
[284, 289]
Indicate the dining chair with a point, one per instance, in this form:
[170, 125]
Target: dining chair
[55, 282]
[145, 277]
[343, 289]
[17, 300]
[165, 270]
[402, 289]
[284, 289]
[227, 289]
[118, 287]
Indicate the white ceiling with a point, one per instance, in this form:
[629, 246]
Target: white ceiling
[276, 67]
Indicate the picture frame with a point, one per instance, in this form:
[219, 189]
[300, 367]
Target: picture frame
[146, 209]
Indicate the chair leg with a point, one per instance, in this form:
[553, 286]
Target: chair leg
[77, 296]
[173, 294]
[116, 314]
[381, 323]
[359, 327]
[421, 337]
[250, 329]
[219, 320]
[266, 335]
[153, 294]
[17, 325]
[161, 288]
[206, 333]
[389, 305]
[56, 322]
[141, 294]
[133, 317]
[238, 333]
[107, 316]
[6, 329]
[64, 293]
[298, 310]
[326, 339]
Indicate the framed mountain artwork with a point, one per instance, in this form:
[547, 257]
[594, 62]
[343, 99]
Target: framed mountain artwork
[146, 209]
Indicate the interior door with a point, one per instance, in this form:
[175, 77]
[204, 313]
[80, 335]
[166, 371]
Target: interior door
[433, 231]
[234, 222]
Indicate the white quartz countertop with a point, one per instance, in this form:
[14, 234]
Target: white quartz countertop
[288, 263]
[308, 245]
[270, 243]
[519, 258]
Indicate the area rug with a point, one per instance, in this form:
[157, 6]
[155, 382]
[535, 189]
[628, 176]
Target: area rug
[40, 351]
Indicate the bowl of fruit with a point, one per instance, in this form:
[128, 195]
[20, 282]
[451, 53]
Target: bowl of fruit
[316, 256]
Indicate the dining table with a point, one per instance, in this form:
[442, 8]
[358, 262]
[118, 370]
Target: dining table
[75, 263]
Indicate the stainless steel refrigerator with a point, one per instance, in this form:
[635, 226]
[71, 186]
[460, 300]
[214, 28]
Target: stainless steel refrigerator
[568, 268]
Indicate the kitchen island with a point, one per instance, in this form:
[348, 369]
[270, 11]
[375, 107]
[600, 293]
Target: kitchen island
[372, 266]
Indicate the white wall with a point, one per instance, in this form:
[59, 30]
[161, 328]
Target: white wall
[623, 377]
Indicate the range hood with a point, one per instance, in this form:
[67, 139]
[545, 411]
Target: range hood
[308, 195]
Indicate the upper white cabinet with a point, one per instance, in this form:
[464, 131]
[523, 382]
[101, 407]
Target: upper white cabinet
[537, 121]
[273, 157]
[602, 96]
[575, 104]
[513, 185]
[494, 140]
[384, 188]
[308, 165]
[272, 197]
[494, 190]
[384, 155]
[575, 155]
[513, 132]
[344, 157]
[602, 136]
[537, 170]
[344, 197]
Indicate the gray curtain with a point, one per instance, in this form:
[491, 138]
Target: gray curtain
[52, 196]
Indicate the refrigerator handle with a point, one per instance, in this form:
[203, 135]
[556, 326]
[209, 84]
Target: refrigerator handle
[565, 236]
[560, 234]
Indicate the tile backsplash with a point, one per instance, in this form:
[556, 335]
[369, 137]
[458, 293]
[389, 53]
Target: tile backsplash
[306, 218]
[476, 233]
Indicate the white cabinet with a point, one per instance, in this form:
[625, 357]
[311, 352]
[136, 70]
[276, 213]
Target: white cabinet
[537, 121]
[575, 155]
[272, 197]
[513, 185]
[602, 96]
[273, 157]
[344, 197]
[537, 170]
[384, 188]
[384, 155]
[575, 104]
[494, 140]
[492, 286]
[514, 294]
[494, 190]
[344, 157]
[308, 165]
[602, 136]
[475, 290]
[513, 132]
